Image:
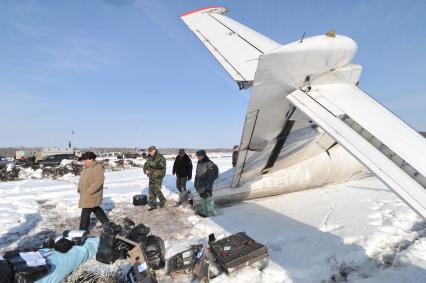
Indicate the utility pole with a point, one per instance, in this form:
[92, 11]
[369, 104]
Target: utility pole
[71, 142]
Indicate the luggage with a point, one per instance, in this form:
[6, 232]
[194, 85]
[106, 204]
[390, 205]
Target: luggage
[65, 242]
[155, 252]
[77, 236]
[110, 248]
[27, 266]
[139, 273]
[140, 200]
[127, 227]
[136, 234]
[184, 262]
[139, 233]
[128, 223]
[6, 272]
[237, 251]
[63, 245]
[107, 250]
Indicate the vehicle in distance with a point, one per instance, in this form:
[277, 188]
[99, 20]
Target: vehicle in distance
[4, 162]
[55, 160]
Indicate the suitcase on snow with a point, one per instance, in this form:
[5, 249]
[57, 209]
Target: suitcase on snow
[237, 251]
[140, 200]
[27, 266]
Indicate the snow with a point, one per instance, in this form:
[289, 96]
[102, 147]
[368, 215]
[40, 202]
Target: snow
[29, 173]
[10, 167]
[65, 162]
[358, 229]
[139, 161]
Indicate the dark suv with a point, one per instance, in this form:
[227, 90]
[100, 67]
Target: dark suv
[55, 160]
[4, 162]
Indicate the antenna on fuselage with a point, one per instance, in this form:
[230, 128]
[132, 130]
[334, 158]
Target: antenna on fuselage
[303, 36]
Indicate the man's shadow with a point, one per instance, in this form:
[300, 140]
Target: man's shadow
[17, 232]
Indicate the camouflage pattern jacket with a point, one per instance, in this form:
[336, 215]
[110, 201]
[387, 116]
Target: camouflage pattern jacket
[155, 166]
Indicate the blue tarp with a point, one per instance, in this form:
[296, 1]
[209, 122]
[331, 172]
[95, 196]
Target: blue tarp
[62, 264]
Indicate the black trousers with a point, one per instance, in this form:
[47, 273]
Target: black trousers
[85, 217]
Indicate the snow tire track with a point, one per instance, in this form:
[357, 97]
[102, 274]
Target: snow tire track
[331, 209]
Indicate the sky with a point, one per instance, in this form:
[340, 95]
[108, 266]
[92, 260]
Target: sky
[130, 73]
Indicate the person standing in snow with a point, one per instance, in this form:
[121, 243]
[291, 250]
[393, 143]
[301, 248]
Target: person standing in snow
[206, 173]
[235, 155]
[155, 169]
[182, 167]
[90, 187]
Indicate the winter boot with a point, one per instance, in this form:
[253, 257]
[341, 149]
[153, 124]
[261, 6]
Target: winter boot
[210, 206]
[203, 207]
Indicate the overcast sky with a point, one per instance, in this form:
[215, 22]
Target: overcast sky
[130, 73]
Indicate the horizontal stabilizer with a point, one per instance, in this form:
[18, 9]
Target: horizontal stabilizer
[235, 46]
[372, 134]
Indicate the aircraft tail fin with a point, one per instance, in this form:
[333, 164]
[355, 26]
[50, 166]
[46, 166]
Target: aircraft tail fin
[235, 46]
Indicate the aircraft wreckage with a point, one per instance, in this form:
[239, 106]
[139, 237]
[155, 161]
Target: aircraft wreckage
[308, 123]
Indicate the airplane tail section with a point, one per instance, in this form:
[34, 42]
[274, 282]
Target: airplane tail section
[235, 46]
[372, 134]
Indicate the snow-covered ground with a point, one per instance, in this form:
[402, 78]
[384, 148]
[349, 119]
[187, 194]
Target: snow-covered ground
[359, 228]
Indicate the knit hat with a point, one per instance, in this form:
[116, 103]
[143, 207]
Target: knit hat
[201, 152]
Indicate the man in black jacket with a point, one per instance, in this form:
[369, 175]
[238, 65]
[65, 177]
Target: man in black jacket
[183, 170]
[207, 173]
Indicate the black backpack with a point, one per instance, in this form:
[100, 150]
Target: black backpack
[107, 249]
[63, 245]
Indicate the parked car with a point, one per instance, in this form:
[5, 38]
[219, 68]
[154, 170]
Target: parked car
[109, 156]
[55, 160]
[4, 162]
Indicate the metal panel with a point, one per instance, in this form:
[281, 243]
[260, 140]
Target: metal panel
[235, 46]
[376, 119]
[407, 188]
[246, 138]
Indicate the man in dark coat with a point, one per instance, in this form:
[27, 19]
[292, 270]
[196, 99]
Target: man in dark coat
[235, 155]
[155, 169]
[207, 173]
[182, 167]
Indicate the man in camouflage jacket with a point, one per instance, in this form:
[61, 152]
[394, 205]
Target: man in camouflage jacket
[155, 169]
